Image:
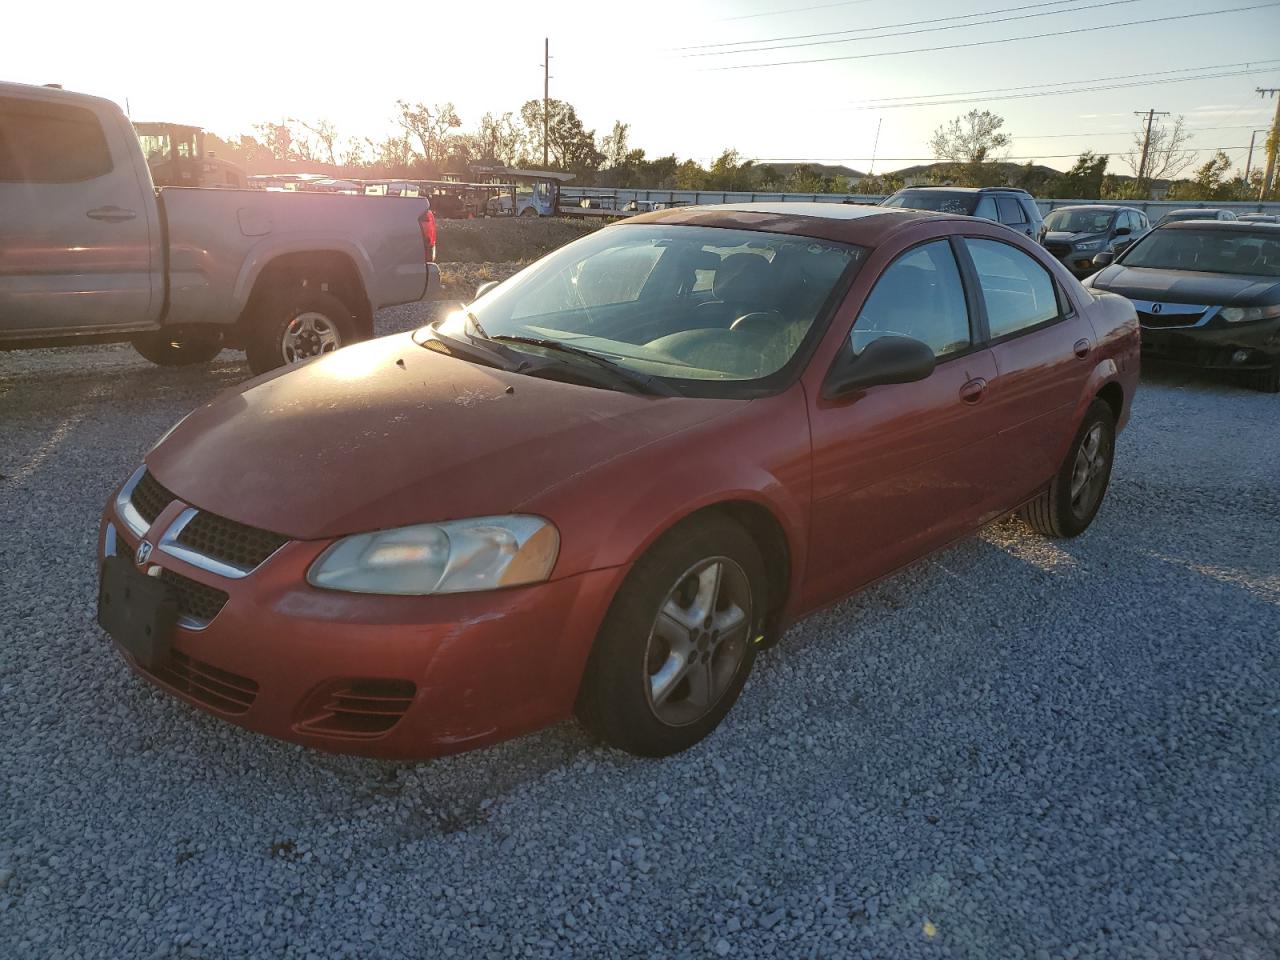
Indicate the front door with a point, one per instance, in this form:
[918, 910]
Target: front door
[75, 244]
[898, 468]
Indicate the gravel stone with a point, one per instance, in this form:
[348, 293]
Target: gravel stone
[1047, 749]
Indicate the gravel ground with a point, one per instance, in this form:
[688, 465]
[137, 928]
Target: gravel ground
[1015, 749]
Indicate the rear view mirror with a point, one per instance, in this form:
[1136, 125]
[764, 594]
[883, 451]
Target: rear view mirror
[1104, 259]
[485, 288]
[891, 359]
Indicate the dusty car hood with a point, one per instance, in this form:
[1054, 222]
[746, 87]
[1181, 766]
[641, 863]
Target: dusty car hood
[1185, 286]
[388, 433]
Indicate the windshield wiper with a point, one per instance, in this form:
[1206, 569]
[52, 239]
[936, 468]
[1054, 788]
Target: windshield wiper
[642, 382]
[480, 352]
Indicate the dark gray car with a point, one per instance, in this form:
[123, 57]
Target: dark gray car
[1075, 235]
[1015, 208]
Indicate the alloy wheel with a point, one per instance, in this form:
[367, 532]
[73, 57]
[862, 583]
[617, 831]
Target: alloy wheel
[1089, 473]
[698, 641]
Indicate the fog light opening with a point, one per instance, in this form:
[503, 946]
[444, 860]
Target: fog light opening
[1240, 356]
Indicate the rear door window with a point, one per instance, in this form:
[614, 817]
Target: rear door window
[919, 295]
[43, 142]
[1010, 212]
[1018, 292]
[1032, 211]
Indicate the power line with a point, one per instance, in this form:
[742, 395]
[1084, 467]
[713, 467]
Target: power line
[1056, 93]
[877, 103]
[1114, 133]
[1038, 156]
[887, 26]
[908, 33]
[985, 43]
[776, 13]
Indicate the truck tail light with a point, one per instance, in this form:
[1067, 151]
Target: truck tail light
[428, 224]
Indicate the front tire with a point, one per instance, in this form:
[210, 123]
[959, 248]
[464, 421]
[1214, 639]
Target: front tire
[177, 349]
[678, 642]
[294, 324]
[1074, 495]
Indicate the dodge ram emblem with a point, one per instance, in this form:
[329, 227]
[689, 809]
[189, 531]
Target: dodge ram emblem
[143, 553]
[1157, 307]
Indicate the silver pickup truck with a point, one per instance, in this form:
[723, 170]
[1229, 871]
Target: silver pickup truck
[91, 251]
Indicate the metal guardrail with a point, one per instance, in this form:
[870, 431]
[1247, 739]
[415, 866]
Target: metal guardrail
[618, 199]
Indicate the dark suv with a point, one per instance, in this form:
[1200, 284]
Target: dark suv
[1014, 208]
[1078, 234]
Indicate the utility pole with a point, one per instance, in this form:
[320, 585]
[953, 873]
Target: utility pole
[1146, 141]
[1248, 164]
[1273, 141]
[546, 94]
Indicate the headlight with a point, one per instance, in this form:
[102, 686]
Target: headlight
[1244, 314]
[1089, 245]
[459, 556]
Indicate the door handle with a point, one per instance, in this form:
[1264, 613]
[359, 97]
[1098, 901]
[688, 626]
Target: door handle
[1082, 348]
[972, 391]
[110, 214]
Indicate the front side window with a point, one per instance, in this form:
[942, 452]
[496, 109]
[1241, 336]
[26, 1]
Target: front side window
[42, 142]
[1018, 292]
[681, 302]
[919, 295]
[1010, 212]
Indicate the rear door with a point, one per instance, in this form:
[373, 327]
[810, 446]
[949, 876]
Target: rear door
[75, 238]
[899, 469]
[1013, 216]
[1043, 349]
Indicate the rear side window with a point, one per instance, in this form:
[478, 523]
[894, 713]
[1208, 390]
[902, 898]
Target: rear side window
[919, 295]
[1019, 293]
[50, 143]
[1033, 212]
[1010, 212]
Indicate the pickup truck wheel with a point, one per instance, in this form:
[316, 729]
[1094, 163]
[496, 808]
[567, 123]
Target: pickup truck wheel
[528, 212]
[297, 324]
[170, 349]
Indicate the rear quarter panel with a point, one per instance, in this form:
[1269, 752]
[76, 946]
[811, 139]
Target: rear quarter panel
[220, 241]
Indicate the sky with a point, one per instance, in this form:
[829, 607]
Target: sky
[687, 75]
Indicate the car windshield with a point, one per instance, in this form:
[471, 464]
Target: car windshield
[686, 303]
[942, 201]
[1210, 251]
[1078, 221]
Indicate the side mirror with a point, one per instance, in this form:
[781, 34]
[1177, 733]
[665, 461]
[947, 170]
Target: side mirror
[891, 359]
[1103, 259]
[485, 288]
[1122, 231]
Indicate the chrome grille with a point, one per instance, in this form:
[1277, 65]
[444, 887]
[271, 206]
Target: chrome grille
[235, 544]
[150, 497]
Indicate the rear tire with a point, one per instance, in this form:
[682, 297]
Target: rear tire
[293, 324]
[177, 349]
[678, 642]
[1074, 495]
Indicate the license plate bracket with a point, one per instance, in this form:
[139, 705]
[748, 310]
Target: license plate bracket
[138, 611]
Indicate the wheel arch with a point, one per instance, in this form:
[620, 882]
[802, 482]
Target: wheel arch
[1113, 395]
[334, 271]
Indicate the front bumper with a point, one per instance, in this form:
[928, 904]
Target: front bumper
[391, 677]
[1220, 346]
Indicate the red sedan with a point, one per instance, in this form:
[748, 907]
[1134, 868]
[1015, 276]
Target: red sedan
[608, 482]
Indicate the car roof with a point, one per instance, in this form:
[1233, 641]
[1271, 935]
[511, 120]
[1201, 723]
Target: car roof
[1195, 210]
[863, 224]
[1095, 206]
[932, 186]
[1224, 225]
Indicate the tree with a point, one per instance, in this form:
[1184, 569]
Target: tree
[571, 146]
[614, 145]
[690, 176]
[1213, 181]
[876, 185]
[1167, 153]
[1084, 180]
[730, 172]
[277, 138]
[429, 126]
[973, 142]
[498, 140]
[325, 135]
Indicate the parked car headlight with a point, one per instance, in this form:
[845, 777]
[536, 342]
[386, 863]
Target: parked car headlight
[1243, 314]
[1089, 245]
[459, 556]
